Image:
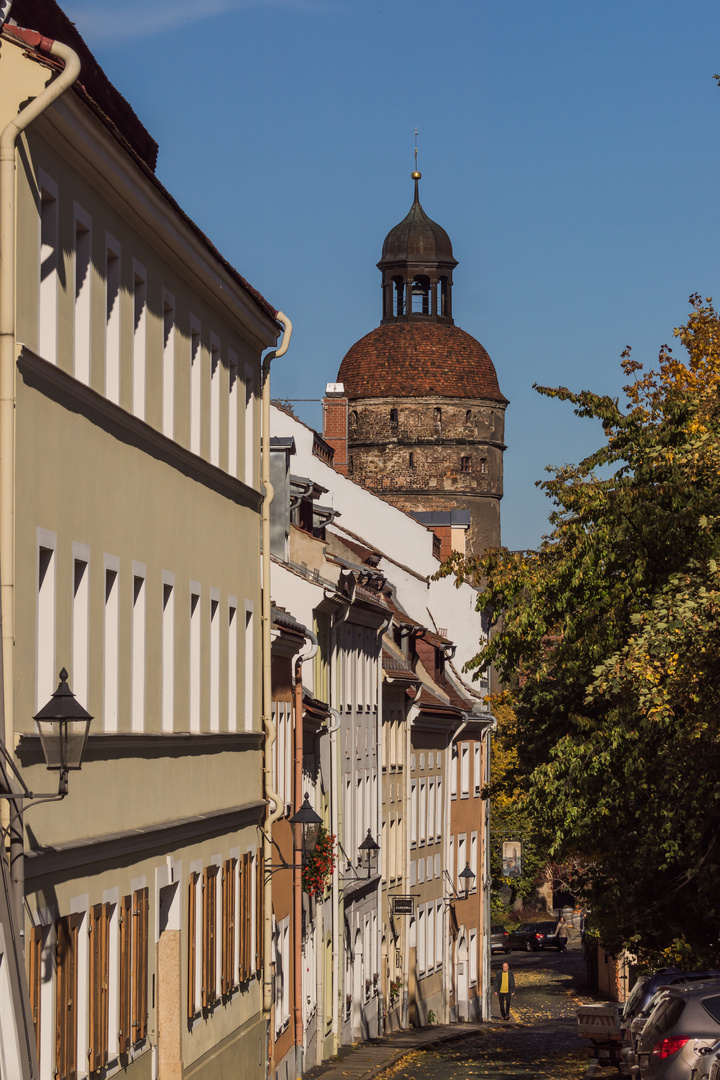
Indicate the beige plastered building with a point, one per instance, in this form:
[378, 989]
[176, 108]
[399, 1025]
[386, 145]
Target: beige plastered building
[132, 481]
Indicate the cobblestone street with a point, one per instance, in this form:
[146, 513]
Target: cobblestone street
[539, 1042]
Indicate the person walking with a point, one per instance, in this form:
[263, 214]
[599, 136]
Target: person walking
[561, 933]
[505, 990]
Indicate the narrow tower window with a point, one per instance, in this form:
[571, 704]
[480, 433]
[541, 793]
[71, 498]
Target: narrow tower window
[465, 464]
[393, 416]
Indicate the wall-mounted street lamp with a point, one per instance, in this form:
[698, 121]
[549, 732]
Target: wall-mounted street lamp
[305, 826]
[369, 854]
[467, 879]
[63, 727]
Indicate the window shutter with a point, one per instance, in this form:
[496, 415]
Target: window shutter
[66, 998]
[125, 1003]
[209, 937]
[140, 964]
[259, 910]
[35, 979]
[247, 915]
[192, 914]
[228, 925]
[242, 973]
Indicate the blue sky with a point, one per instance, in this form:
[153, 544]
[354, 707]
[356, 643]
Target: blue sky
[569, 147]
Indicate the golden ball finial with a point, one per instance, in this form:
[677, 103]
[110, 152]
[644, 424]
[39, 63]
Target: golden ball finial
[416, 175]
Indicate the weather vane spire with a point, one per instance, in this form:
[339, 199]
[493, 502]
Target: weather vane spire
[416, 175]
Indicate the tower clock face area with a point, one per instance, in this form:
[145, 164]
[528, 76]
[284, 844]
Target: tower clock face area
[425, 415]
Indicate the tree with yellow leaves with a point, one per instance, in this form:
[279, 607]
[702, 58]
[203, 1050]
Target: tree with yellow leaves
[615, 625]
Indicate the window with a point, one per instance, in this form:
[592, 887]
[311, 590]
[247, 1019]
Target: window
[422, 812]
[439, 934]
[421, 940]
[465, 770]
[232, 413]
[214, 400]
[430, 937]
[453, 772]
[214, 660]
[248, 673]
[249, 428]
[473, 956]
[168, 651]
[462, 860]
[111, 644]
[209, 943]
[35, 971]
[431, 812]
[80, 622]
[440, 811]
[48, 298]
[112, 318]
[140, 965]
[393, 416]
[195, 657]
[195, 385]
[168, 365]
[46, 675]
[66, 1019]
[227, 962]
[138, 649]
[437, 419]
[411, 460]
[421, 871]
[282, 975]
[99, 983]
[232, 665]
[139, 353]
[483, 465]
[477, 779]
[83, 278]
[465, 464]
[474, 860]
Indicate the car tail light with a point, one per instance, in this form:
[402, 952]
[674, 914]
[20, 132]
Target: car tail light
[668, 1047]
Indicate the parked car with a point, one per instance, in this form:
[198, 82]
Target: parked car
[499, 939]
[534, 936]
[684, 1020]
[642, 1000]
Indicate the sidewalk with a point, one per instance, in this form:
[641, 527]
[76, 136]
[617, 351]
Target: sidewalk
[370, 1058]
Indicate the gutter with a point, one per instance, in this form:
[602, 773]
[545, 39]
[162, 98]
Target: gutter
[268, 723]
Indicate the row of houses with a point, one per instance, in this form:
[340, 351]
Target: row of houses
[249, 629]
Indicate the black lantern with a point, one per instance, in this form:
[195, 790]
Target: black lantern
[467, 878]
[63, 727]
[305, 827]
[368, 854]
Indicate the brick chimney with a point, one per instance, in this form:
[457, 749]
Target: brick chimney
[335, 424]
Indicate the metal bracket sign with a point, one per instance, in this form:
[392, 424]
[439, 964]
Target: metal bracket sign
[403, 905]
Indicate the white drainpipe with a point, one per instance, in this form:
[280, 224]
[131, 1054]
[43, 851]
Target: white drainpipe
[268, 724]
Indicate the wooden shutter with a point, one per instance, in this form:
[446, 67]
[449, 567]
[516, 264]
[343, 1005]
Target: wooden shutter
[192, 954]
[125, 1003]
[247, 914]
[140, 964]
[99, 978]
[259, 910]
[209, 973]
[35, 979]
[242, 973]
[227, 979]
[66, 998]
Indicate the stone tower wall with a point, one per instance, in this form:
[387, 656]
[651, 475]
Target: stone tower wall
[415, 461]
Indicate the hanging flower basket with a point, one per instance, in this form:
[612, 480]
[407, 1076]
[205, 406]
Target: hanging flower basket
[320, 864]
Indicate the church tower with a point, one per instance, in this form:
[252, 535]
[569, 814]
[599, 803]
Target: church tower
[417, 415]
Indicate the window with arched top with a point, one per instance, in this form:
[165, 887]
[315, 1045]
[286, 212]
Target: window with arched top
[437, 419]
[420, 293]
[353, 421]
[411, 460]
[468, 417]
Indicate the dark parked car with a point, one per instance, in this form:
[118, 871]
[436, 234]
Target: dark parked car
[534, 936]
[684, 1020]
[499, 939]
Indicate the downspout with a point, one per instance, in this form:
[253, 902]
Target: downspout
[448, 967]
[296, 667]
[268, 724]
[487, 879]
[33, 40]
[335, 892]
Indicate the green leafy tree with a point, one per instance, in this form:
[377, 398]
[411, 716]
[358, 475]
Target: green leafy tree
[610, 639]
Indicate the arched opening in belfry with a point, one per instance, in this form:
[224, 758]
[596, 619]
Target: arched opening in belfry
[398, 296]
[421, 295]
[442, 297]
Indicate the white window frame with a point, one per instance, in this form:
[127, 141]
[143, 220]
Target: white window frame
[422, 812]
[195, 658]
[81, 622]
[113, 292]
[465, 770]
[249, 471]
[139, 352]
[472, 957]
[138, 631]
[168, 364]
[167, 600]
[232, 666]
[48, 267]
[454, 771]
[474, 861]
[215, 377]
[46, 615]
[111, 642]
[420, 951]
[232, 435]
[82, 294]
[249, 670]
[214, 659]
[196, 381]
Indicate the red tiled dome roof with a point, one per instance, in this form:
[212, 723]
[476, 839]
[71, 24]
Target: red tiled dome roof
[419, 359]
